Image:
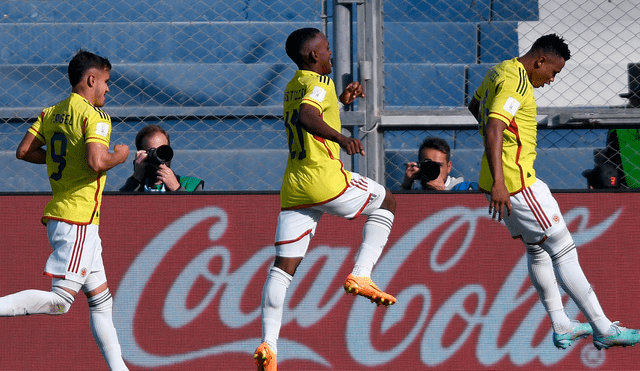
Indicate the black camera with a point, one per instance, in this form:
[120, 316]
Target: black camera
[159, 156]
[429, 170]
[155, 158]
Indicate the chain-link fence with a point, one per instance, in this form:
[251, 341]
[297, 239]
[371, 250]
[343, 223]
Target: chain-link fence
[437, 52]
[212, 74]
[575, 149]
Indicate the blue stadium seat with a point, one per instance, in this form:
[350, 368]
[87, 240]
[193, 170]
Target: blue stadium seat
[151, 85]
[436, 10]
[237, 42]
[498, 41]
[475, 74]
[424, 42]
[74, 11]
[522, 10]
[407, 80]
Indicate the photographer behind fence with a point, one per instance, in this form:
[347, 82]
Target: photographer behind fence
[433, 168]
[602, 176]
[152, 165]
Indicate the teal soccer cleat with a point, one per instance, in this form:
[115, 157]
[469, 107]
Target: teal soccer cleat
[578, 330]
[622, 337]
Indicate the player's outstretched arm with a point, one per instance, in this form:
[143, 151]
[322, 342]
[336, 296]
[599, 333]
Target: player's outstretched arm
[100, 159]
[310, 119]
[351, 92]
[30, 150]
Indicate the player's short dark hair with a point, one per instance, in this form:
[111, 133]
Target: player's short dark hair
[148, 130]
[553, 43]
[435, 143]
[83, 61]
[295, 42]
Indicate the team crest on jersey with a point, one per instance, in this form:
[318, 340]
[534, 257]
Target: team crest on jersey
[556, 218]
[102, 128]
[318, 93]
[83, 272]
[511, 105]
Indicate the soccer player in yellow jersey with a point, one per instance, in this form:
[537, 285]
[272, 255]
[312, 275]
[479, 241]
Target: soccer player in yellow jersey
[76, 134]
[505, 108]
[315, 182]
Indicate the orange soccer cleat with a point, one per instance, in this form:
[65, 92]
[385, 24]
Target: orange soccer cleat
[364, 286]
[265, 358]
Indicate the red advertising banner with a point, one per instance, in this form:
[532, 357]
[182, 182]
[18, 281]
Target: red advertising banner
[187, 274]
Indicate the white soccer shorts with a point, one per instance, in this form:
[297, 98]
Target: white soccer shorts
[535, 214]
[297, 227]
[77, 253]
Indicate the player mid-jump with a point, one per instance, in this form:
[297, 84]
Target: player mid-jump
[505, 108]
[315, 182]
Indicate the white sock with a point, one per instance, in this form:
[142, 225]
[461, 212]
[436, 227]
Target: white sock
[374, 236]
[575, 284]
[273, 295]
[543, 279]
[104, 333]
[56, 301]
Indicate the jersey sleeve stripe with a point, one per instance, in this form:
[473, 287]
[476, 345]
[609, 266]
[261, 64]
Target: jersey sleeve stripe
[97, 139]
[313, 103]
[522, 84]
[37, 134]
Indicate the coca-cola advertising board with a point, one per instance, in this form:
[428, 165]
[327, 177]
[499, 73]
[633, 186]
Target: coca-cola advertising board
[186, 273]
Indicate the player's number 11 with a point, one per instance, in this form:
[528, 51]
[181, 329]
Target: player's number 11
[291, 122]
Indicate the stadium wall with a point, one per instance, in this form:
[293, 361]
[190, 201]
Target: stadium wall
[187, 273]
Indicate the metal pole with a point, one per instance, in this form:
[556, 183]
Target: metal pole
[371, 74]
[342, 45]
[323, 16]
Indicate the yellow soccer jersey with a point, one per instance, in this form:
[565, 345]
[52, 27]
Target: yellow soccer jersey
[314, 172]
[65, 129]
[507, 94]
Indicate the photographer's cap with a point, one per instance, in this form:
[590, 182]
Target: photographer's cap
[602, 176]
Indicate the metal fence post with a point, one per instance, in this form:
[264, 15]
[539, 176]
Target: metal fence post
[370, 65]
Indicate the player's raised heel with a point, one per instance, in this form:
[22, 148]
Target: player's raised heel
[621, 337]
[265, 358]
[578, 330]
[364, 286]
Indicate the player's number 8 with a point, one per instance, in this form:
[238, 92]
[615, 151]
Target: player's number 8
[58, 157]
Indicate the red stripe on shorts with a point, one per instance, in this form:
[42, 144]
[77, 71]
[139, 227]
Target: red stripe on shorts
[78, 246]
[362, 184]
[536, 209]
[294, 240]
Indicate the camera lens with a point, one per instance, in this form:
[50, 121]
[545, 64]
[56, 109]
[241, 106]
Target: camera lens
[164, 153]
[429, 170]
[160, 155]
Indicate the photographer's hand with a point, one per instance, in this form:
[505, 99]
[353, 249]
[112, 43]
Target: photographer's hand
[410, 173]
[436, 184]
[139, 165]
[168, 177]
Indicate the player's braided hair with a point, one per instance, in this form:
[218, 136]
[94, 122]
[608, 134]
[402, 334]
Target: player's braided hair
[553, 43]
[295, 42]
[82, 61]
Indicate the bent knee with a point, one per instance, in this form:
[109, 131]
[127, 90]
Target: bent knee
[389, 202]
[61, 301]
